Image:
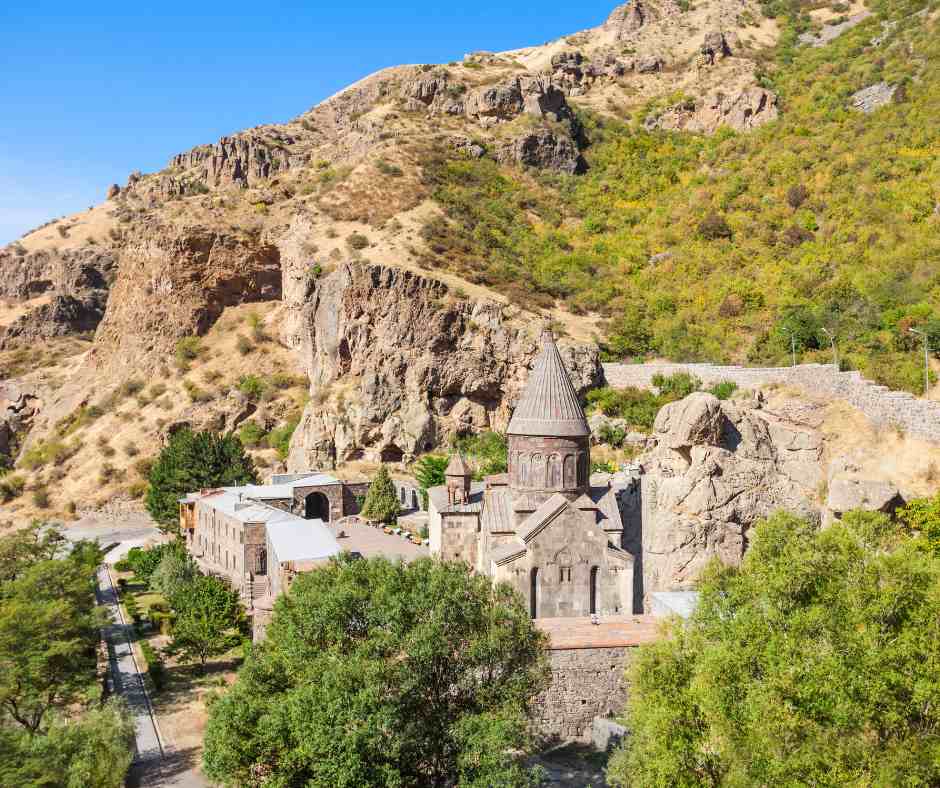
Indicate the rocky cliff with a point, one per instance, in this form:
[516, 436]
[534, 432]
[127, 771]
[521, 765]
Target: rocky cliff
[398, 363]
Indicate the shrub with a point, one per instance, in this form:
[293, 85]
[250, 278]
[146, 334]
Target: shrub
[797, 195]
[676, 386]
[279, 438]
[357, 241]
[724, 389]
[714, 227]
[252, 387]
[188, 349]
[11, 487]
[41, 498]
[251, 434]
[122, 566]
[130, 449]
[130, 388]
[243, 345]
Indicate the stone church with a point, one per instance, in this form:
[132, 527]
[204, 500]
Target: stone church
[541, 527]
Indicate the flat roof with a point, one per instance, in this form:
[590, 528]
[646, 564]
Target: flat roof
[369, 542]
[609, 632]
[301, 540]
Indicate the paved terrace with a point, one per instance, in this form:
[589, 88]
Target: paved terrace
[609, 632]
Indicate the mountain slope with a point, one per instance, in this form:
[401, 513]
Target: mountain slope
[685, 180]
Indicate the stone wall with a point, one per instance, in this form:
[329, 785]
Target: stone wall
[882, 406]
[586, 683]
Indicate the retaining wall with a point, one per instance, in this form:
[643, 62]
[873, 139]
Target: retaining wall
[882, 406]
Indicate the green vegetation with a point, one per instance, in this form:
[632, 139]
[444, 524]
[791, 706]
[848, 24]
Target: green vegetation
[54, 727]
[486, 452]
[207, 613]
[823, 219]
[639, 407]
[191, 461]
[279, 437]
[814, 663]
[922, 518]
[376, 673]
[429, 471]
[381, 504]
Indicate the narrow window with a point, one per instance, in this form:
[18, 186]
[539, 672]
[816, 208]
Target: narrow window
[534, 593]
[593, 590]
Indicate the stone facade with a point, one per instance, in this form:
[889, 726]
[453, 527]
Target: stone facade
[542, 528]
[586, 683]
[588, 661]
[881, 405]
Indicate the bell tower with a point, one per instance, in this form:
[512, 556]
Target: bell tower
[457, 477]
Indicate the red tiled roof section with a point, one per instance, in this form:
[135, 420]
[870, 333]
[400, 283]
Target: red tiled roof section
[610, 632]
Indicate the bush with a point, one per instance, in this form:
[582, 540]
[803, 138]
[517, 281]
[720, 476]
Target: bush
[487, 452]
[252, 387]
[243, 345]
[41, 498]
[122, 566]
[797, 195]
[357, 241]
[251, 434]
[714, 227]
[188, 349]
[279, 438]
[724, 389]
[677, 386]
[11, 487]
[155, 667]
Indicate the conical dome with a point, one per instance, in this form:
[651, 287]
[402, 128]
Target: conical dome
[549, 405]
[457, 466]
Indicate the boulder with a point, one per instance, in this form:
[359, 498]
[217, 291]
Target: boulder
[697, 419]
[650, 64]
[869, 99]
[113, 191]
[714, 470]
[870, 495]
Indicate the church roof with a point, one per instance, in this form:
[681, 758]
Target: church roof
[457, 466]
[549, 405]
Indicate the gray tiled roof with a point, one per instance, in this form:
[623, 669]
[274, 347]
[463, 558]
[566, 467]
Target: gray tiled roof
[549, 405]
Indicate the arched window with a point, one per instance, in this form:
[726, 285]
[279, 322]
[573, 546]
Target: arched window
[593, 590]
[571, 472]
[534, 593]
[554, 472]
[537, 478]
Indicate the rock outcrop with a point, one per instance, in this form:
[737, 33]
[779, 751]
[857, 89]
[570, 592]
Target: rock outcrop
[397, 363]
[544, 149]
[715, 470]
[625, 20]
[869, 99]
[19, 405]
[533, 94]
[742, 111]
[75, 283]
[176, 282]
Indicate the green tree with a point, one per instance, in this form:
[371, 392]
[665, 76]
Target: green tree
[381, 502]
[488, 453]
[174, 574]
[814, 663]
[207, 611]
[189, 462]
[429, 471]
[376, 673]
[94, 751]
[48, 630]
[145, 561]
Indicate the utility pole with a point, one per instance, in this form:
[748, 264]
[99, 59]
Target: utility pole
[792, 344]
[832, 340]
[926, 359]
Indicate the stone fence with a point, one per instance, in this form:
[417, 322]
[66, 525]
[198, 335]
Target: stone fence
[882, 406]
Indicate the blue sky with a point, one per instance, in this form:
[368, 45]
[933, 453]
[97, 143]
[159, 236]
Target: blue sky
[92, 91]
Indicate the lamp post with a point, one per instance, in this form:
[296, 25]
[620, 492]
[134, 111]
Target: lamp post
[926, 359]
[832, 340]
[792, 343]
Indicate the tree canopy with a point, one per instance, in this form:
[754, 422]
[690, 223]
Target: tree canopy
[814, 663]
[53, 730]
[189, 462]
[382, 674]
[206, 612]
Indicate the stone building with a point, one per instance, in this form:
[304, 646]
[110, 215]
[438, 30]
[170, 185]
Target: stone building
[541, 527]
